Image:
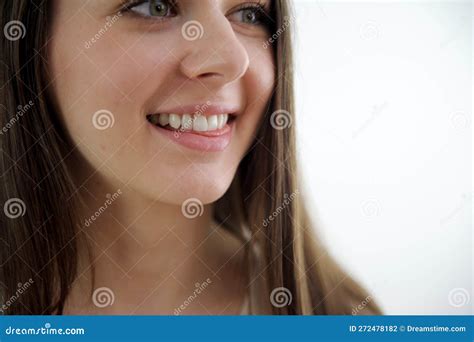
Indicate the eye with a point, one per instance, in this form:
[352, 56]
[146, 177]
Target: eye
[154, 8]
[251, 14]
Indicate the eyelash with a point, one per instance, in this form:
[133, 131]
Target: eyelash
[128, 5]
[258, 7]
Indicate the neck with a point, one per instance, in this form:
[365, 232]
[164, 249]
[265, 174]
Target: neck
[150, 253]
[140, 234]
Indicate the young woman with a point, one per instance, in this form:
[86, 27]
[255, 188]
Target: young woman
[148, 163]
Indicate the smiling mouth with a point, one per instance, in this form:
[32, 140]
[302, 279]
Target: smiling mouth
[191, 122]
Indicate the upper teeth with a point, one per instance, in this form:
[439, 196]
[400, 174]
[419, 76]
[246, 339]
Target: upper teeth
[188, 122]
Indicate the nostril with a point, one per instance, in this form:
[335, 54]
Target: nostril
[209, 75]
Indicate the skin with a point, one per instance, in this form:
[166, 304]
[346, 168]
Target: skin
[143, 248]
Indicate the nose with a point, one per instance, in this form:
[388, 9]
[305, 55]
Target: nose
[217, 57]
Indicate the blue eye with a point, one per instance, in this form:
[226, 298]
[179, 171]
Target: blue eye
[247, 13]
[251, 15]
[154, 8]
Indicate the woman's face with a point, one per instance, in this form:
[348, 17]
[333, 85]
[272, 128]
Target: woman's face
[121, 68]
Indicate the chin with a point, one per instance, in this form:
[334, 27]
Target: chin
[206, 188]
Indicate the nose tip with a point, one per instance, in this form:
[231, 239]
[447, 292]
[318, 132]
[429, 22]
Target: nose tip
[219, 67]
[216, 63]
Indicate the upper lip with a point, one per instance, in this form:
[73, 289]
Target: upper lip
[204, 108]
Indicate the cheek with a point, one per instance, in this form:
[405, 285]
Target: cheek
[106, 84]
[116, 85]
[261, 83]
[257, 86]
[258, 83]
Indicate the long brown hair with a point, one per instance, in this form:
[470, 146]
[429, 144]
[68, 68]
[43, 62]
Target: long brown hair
[38, 234]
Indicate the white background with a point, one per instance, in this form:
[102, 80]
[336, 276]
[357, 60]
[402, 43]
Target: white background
[384, 107]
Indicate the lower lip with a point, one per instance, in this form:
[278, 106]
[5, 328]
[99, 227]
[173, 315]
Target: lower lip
[212, 141]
